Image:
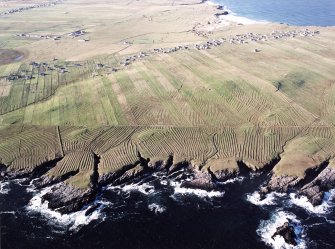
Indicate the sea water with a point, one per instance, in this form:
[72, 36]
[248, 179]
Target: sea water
[292, 12]
[157, 211]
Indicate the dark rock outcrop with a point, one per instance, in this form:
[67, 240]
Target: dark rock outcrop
[130, 174]
[65, 199]
[91, 209]
[315, 183]
[224, 13]
[200, 180]
[287, 232]
[177, 166]
[224, 175]
[316, 188]
[3, 169]
[280, 184]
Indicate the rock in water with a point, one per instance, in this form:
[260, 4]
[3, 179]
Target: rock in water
[66, 199]
[287, 232]
[224, 13]
[91, 209]
[202, 180]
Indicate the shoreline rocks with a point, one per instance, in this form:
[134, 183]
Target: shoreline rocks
[65, 199]
[208, 175]
[202, 180]
[224, 13]
[313, 188]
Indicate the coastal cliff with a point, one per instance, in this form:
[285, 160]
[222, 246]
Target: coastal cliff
[77, 176]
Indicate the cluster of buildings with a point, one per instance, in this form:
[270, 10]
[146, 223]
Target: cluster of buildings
[54, 37]
[21, 9]
[78, 33]
[128, 60]
[73, 34]
[293, 33]
[42, 69]
[274, 35]
[170, 50]
[236, 39]
[209, 44]
[255, 37]
[13, 77]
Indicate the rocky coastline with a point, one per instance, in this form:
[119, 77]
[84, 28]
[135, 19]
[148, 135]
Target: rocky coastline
[313, 185]
[65, 198]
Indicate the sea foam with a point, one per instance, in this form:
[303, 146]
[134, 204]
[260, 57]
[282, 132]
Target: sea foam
[73, 220]
[144, 188]
[199, 192]
[268, 227]
[270, 199]
[325, 207]
[233, 180]
[4, 187]
[240, 19]
[178, 190]
[156, 208]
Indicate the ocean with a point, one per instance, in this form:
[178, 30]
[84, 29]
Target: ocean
[155, 211]
[292, 12]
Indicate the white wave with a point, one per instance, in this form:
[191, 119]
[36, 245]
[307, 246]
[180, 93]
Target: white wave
[158, 209]
[19, 181]
[198, 192]
[268, 227]
[255, 174]
[270, 199]
[31, 187]
[72, 220]
[174, 183]
[329, 221]
[325, 207]
[164, 182]
[4, 187]
[211, 3]
[8, 212]
[233, 180]
[144, 188]
[231, 17]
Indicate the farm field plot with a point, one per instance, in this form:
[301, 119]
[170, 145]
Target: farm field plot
[211, 88]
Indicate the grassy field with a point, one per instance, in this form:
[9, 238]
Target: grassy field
[211, 107]
[213, 88]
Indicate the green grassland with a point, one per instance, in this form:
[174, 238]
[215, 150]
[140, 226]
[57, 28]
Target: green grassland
[184, 89]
